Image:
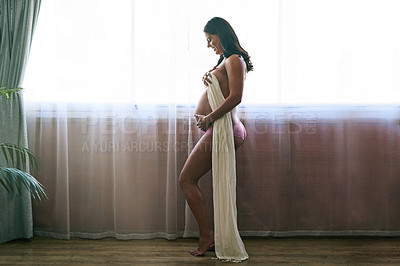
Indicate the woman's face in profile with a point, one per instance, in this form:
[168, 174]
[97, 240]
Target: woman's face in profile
[214, 42]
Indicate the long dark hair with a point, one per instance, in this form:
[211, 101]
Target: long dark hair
[229, 40]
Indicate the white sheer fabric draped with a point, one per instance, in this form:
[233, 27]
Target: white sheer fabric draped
[110, 99]
[110, 171]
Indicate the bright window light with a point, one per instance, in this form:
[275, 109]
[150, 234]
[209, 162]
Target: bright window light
[154, 51]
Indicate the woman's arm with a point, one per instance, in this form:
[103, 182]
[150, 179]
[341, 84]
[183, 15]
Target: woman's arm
[235, 69]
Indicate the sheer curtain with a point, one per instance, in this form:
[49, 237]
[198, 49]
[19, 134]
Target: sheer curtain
[111, 164]
[110, 93]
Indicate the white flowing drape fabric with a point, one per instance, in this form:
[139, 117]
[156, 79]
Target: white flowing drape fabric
[228, 244]
[110, 91]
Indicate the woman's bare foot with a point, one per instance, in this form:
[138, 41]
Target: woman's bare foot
[206, 243]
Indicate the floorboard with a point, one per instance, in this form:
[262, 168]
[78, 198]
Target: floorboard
[262, 251]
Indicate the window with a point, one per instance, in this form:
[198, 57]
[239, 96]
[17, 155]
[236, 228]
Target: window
[154, 51]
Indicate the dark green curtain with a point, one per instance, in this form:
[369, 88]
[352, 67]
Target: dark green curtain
[17, 23]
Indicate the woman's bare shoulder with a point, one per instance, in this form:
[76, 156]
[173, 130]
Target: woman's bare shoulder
[235, 62]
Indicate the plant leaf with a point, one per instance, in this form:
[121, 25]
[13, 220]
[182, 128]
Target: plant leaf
[20, 178]
[20, 157]
[5, 185]
[5, 153]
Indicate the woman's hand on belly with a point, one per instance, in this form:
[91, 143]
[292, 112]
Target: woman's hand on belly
[203, 121]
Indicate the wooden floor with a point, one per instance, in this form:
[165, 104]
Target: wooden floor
[262, 251]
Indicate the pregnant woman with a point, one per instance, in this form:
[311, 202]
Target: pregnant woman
[216, 115]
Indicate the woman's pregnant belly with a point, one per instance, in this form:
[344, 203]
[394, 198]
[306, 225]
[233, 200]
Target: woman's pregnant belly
[203, 107]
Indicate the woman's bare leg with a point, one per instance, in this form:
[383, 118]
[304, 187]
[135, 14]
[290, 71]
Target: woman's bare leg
[199, 163]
